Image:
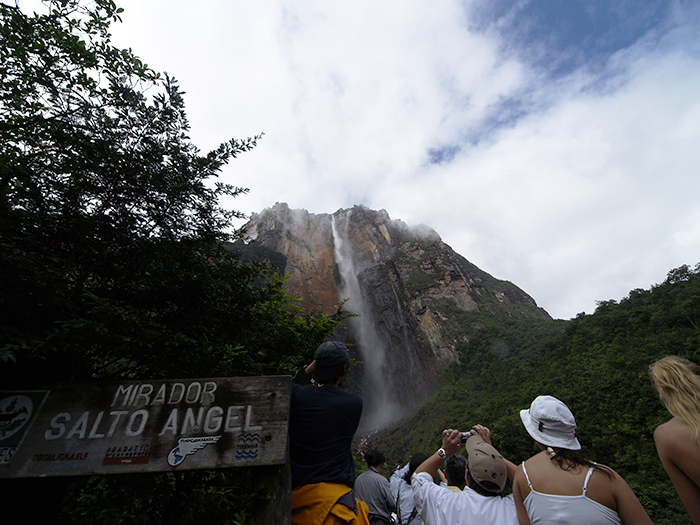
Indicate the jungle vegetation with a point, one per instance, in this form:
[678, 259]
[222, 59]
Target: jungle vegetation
[597, 364]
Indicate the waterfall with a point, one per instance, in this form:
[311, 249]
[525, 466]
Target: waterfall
[379, 408]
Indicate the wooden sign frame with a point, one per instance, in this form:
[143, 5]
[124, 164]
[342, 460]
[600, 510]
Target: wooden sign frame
[145, 426]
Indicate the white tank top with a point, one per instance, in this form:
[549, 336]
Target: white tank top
[553, 509]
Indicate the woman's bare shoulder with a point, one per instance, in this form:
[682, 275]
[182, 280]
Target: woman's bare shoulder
[673, 426]
[673, 434]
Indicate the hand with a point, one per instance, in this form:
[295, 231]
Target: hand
[483, 432]
[451, 441]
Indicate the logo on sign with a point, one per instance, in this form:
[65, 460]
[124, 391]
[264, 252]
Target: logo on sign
[188, 446]
[247, 447]
[16, 412]
[127, 455]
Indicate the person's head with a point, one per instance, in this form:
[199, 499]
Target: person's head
[375, 459]
[455, 470]
[551, 424]
[677, 381]
[415, 462]
[332, 363]
[486, 469]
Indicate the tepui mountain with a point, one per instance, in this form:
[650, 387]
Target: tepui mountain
[414, 297]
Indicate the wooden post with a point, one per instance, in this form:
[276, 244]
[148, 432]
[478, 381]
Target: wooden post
[276, 480]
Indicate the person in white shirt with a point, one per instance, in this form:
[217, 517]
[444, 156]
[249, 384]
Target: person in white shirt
[482, 501]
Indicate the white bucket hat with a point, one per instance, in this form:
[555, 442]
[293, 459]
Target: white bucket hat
[550, 422]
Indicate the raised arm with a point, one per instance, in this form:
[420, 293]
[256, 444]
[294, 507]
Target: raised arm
[310, 369]
[396, 477]
[450, 444]
[303, 375]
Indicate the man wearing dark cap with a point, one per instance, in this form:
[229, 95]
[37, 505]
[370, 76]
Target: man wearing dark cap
[322, 423]
[482, 499]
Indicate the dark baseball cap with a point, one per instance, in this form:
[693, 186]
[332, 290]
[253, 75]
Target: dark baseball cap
[329, 356]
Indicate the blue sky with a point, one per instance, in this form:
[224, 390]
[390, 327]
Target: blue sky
[553, 143]
[562, 35]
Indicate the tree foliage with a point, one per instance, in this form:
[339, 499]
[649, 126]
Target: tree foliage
[111, 232]
[113, 244]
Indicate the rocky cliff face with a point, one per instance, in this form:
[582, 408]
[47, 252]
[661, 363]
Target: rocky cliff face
[412, 293]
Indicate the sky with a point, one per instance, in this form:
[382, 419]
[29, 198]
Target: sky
[552, 143]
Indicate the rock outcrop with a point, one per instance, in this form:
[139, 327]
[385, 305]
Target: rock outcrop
[410, 290]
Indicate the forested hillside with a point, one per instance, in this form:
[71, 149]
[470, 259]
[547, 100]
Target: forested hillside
[597, 364]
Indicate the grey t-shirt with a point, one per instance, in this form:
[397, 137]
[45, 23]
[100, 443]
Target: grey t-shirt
[373, 488]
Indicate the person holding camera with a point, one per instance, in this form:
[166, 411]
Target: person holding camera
[323, 420]
[486, 473]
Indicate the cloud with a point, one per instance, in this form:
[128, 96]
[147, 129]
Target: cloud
[593, 189]
[567, 165]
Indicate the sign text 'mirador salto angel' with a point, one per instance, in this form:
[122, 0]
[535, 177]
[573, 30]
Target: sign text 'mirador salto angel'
[181, 421]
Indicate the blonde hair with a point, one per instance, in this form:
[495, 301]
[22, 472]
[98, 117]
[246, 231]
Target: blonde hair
[677, 381]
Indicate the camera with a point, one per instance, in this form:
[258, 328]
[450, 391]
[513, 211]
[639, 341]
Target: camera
[465, 436]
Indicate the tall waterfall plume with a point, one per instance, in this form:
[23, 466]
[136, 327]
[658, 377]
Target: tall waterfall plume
[380, 404]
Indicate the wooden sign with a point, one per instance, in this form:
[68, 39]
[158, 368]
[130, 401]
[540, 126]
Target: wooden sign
[144, 426]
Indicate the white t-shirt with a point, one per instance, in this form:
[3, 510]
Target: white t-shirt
[438, 506]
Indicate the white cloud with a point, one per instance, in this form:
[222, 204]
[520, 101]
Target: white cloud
[590, 195]
[590, 199]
